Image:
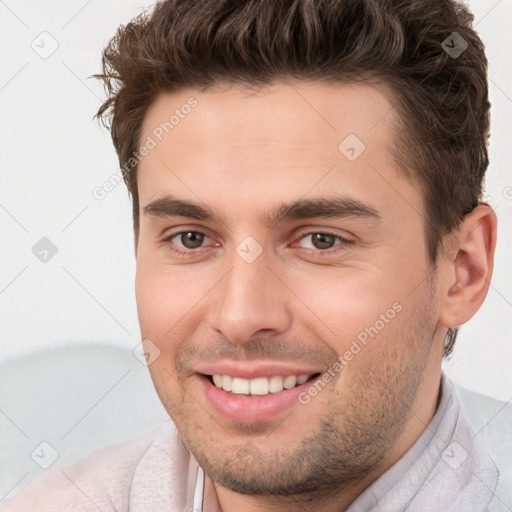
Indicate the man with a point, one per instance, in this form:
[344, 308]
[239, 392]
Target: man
[306, 181]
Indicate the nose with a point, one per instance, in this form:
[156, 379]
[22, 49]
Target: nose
[249, 301]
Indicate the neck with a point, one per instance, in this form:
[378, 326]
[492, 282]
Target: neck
[335, 500]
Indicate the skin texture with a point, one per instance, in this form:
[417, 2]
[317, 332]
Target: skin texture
[243, 155]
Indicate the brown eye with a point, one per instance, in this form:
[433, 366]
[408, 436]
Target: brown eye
[323, 243]
[322, 240]
[191, 239]
[319, 240]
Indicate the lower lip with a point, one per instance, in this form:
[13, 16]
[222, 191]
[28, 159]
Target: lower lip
[252, 408]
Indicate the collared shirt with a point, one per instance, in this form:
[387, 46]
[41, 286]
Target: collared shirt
[446, 470]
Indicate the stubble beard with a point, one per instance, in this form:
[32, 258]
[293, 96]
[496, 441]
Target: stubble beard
[361, 424]
[364, 417]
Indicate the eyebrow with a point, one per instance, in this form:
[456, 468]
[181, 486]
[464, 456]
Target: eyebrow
[338, 207]
[169, 206]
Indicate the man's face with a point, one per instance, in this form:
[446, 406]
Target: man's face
[271, 242]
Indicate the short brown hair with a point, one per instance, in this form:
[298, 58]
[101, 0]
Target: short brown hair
[442, 98]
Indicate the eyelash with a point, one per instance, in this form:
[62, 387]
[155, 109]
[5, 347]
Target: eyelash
[342, 246]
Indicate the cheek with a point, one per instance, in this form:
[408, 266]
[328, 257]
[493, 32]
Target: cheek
[160, 309]
[347, 304]
[158, 301]
[169, 300]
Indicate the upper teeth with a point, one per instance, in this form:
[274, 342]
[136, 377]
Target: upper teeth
[259, 386]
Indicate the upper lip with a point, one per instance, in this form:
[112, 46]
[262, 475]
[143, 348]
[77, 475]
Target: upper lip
[253, 370]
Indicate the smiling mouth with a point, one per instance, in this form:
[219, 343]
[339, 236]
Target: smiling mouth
[259, 386]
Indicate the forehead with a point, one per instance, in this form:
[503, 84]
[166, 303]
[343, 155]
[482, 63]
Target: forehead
[303, 111]
[231, 145]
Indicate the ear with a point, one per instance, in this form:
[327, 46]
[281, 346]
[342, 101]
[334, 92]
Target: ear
[468, 261]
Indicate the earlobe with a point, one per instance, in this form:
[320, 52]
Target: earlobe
[468, 265]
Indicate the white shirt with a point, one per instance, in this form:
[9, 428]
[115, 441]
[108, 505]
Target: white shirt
[447, 469]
